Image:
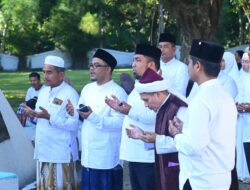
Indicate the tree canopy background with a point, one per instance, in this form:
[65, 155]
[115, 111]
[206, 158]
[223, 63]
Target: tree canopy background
[33, 26]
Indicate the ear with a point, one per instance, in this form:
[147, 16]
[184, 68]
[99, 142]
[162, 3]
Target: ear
[109, 69]
[152, 66]
[61, 75]
[198, 66]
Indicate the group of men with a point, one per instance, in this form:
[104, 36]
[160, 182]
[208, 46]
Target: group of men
[168, 143]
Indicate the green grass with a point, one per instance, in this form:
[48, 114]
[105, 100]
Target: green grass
[15, 84]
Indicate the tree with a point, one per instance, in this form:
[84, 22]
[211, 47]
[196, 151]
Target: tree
[231, 30]
[196, 19]
[243, 6]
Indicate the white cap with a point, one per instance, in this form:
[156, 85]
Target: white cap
[54, 60]
[156, 86]
[150, 82]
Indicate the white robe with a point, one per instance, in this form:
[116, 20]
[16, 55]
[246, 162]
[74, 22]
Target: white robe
[243, 125]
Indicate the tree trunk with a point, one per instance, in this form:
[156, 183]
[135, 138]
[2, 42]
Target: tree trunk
[196, 20]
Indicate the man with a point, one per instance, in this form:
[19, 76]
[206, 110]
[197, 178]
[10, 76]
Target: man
[243, 132]
[101, 129]
[206, 145]
[56, 129]
[36, 86]
[30, 99]
[154, 92]
[139, 155]
[173, 70]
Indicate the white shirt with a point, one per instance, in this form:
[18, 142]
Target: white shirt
[101, 131]
[176, 73]
[206, 145]
[134, 150]
[165, 144]
[228, 84]
[243, 125]
[56, 138]
[225, 80]
[32, 92]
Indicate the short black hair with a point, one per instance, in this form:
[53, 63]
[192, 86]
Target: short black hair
[156, 61]
[34, 74]
[210, 68]
[240, 53]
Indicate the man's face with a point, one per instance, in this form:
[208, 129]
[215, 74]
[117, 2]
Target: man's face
[222, 64]
[151, 100]
[167, 50]
[98, 70]
[237, 57]
[191, 71]
[34, 82]
[52, 77]
[245, 63]
[140, 64]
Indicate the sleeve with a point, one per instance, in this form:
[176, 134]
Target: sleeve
[28, 97]
[142, 115]
[164, 144]
[63, 120]
[231, 87]
[112, 121]
[195, 134]
[181, 84]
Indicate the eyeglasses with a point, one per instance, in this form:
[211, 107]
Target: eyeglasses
[91, 66]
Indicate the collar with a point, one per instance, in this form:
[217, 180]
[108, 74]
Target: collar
[169, 62]
[163, 102]
[57, 88]
[209, 83]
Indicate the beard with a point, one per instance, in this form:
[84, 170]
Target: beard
[136, 76]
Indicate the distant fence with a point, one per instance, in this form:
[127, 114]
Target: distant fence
[36, 61]
[124, 59]
[8, 62]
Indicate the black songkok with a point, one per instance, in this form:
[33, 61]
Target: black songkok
[107, 57]
[148, 50]
[207, 51]
[166, 37]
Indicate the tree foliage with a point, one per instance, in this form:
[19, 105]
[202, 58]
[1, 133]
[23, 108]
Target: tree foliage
[77, 26]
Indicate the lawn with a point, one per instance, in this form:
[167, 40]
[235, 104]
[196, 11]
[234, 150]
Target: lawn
[15, 84]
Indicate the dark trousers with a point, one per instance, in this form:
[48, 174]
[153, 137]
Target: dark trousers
[95, 179]
[247, 153]
[234, 177]
[142, 176]
[187, 186]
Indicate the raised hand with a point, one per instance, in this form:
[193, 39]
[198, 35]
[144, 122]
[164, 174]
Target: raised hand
[70, 108]
[118, 105]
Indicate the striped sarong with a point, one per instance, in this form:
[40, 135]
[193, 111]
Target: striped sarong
[52, 176]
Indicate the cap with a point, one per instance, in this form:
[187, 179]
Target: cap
[54, 60]
[107, 57]
[148, 50]
[167, 37]
[207, 50]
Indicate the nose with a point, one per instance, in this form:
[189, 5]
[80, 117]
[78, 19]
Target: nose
[133, 64]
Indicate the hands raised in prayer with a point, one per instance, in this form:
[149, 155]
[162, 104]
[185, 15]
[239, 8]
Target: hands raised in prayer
[32, 113]
[118, 105]
[137, 133]
[175, 126]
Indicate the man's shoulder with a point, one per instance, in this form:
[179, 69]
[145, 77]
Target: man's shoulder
[182, 64]
[67, 87]
[179, 100]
